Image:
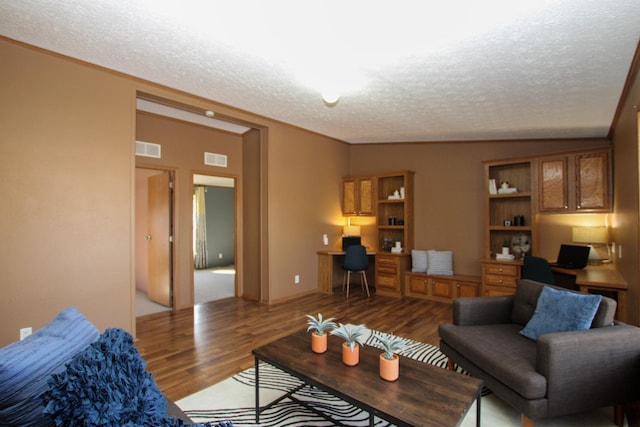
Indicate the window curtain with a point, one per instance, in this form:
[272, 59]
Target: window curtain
[199, 229]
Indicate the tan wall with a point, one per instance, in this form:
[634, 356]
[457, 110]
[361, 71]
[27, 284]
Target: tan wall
[625, 139]
[449, 187]
[66, 186]
[183, 147]
[67, 163]
[305, 185]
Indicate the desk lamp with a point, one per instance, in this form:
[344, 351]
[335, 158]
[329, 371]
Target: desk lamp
[350, 230]
[591, 235]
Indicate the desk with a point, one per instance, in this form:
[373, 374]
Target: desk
[330, 272]
[499, 278]
[601, 279]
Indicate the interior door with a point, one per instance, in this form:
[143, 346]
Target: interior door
[159, 239]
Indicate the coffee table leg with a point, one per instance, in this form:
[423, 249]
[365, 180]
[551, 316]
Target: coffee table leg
[371, 417]
[478, 409]
[257, 364]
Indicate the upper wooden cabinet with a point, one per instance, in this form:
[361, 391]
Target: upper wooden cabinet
[578, 182]
[357, 196]
[553, 184]
[593, 183]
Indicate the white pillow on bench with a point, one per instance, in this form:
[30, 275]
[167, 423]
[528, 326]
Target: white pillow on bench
[440, 262]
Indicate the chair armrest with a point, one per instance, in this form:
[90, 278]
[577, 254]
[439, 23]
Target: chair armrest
[597, 366]
[468, 311]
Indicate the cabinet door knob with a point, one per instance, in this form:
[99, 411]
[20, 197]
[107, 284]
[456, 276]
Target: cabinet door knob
[500, 280]
[500, 270]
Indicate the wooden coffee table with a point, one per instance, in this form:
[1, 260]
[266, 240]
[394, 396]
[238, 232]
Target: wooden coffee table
[424, 395]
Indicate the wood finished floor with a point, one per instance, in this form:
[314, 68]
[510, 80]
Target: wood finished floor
[191, 349]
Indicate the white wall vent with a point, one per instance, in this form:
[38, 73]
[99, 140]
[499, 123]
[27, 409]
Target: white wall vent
[213, 159]
[147, 149]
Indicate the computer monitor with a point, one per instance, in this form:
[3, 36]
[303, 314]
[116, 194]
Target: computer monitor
[350, 240]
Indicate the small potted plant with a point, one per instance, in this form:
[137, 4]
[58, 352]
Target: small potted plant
[389, 360]
[506, 244]
[352, 336]
[318, 337]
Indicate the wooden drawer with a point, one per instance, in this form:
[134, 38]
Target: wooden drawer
[387, 268]
[503, 270]
[497, 292]
[386, 281]
[496, 280]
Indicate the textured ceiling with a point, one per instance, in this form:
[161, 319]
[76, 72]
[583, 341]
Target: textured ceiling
[407, 71]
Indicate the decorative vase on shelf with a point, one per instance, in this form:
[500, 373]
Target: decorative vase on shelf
[318, 336]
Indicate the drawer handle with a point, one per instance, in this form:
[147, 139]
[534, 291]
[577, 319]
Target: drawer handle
[500, 270]
[500, 280]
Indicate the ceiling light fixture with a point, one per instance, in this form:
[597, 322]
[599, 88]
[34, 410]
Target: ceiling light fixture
[330, 98]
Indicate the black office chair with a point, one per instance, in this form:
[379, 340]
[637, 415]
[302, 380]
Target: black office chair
[538, 269]
[355, 261]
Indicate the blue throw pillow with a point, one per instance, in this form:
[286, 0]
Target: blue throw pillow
[25, 366]
[559, 311]
[107, 385]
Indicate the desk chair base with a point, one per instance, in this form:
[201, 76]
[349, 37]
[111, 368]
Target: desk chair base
[347, 281]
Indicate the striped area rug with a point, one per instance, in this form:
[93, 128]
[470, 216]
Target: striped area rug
[234, 399]
[276, 383]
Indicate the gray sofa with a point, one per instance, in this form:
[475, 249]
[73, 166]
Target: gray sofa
[557, 374]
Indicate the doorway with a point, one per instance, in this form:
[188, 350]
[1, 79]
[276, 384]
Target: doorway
[214, 238]
[153, 241]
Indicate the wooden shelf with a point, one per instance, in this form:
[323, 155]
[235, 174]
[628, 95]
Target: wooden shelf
[510, 228]
[525, 194]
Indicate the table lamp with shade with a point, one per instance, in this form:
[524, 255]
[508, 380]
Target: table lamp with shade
[592, 236]
[350, 230]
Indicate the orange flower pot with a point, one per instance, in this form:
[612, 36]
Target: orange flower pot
[350, 356]
[389, 369]
[318, 342]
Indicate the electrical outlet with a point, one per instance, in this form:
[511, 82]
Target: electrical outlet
[296, 279]
[220, 255]
[25, 332]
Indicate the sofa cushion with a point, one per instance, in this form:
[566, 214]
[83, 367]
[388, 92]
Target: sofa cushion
[559, 311]
[26, 365]
[502, 353]
[526, 301]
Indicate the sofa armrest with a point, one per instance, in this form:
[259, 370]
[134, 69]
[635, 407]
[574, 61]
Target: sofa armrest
[594, 367]
[468, 311]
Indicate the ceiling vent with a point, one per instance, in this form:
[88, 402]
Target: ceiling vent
[147, 149]
[213, 159]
